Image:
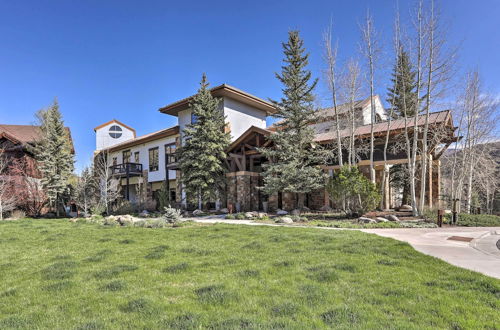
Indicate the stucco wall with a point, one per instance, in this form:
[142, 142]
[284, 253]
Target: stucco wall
[104, 140]
[144, 157]
[241, 116]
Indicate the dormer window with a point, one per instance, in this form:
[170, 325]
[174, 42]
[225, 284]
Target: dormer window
[115, 131]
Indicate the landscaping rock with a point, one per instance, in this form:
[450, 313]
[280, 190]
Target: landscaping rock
[144, 213]
[249, 215]
[224, 211]
[391, 217]
[295, 212]
[366, 220]
[405, 207]
[381, 219]
[281, 212]
[261, 215]
[326, 208]
[197, 213]
[285, 220]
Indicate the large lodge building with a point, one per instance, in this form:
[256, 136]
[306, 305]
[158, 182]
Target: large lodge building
[150, 161]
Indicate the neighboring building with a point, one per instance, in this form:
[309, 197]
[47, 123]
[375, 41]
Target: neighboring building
[149, 161]
[17, 146]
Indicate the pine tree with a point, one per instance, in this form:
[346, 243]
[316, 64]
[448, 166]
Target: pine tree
[294, 159]
[202, 155]
[402, 95]
[56, 159]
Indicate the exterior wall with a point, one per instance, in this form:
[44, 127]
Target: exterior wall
[144, 157]
[241, 116]
[379, 109]
[242, 189]
[104, 140]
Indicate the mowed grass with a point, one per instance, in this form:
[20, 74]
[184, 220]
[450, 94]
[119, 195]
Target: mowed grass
[60, 275]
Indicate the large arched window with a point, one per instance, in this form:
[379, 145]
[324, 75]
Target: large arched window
[115, 131]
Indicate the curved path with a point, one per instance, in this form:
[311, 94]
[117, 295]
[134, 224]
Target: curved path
[472, 248]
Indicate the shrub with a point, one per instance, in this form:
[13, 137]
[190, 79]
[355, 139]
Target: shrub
[240, 216]
[171, 215]
[477, 220]
[352, 191]
[17, 214]
[230, 216]
[125, 207]
[98, 209]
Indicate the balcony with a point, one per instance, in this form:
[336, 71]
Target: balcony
[171, 160]
[127, 169]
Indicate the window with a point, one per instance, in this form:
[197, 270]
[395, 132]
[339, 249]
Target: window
[194, 119]
[126, 157]
[153, 159]
[115, 131]
[136, 157]
[170, 156]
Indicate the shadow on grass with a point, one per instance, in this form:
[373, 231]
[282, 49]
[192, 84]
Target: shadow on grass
[114, 271]
[59, 270]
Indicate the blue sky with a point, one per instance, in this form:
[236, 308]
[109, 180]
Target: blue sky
[125, 59]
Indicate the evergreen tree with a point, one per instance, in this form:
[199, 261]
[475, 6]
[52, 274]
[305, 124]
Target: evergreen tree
[202, 155]
[402, 95]
[294, 159]
[56, 159]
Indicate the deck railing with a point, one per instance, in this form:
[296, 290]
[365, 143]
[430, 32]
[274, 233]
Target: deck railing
[127, 168]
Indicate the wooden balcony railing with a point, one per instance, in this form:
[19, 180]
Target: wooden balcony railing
[130, 169]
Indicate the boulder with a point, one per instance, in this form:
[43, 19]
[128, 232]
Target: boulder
[326, 208]
[197, 213]
[381, 219]
[224, 211]
[392, 217]
[285, 220]
[111, 218]
[249, 215]
[261, 215]
[295, 212]
[281, 212]
[366, 220]
[405, 207]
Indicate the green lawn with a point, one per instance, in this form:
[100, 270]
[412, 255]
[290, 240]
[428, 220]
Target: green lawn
[60, 275]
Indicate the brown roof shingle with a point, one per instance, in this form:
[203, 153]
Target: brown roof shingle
[398, 124]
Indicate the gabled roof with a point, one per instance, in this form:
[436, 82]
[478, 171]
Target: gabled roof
[441, 117]
[329, 113]
[116, 122]
[220, 91]
[145, 138]
[23, 134]
[344, 107]
[248, 132]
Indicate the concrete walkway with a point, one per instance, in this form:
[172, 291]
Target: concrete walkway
[480, 254]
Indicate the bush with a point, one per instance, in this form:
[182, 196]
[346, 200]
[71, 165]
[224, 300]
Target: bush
[230, 217]
[476, 220]
[17, 214]
[240, 216]
[352, 191]
[98, 209]
[171, 215]
[125, 207]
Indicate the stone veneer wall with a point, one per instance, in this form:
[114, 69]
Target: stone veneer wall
[242, 188]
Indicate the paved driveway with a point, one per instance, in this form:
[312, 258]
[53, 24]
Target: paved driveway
[480, 254]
